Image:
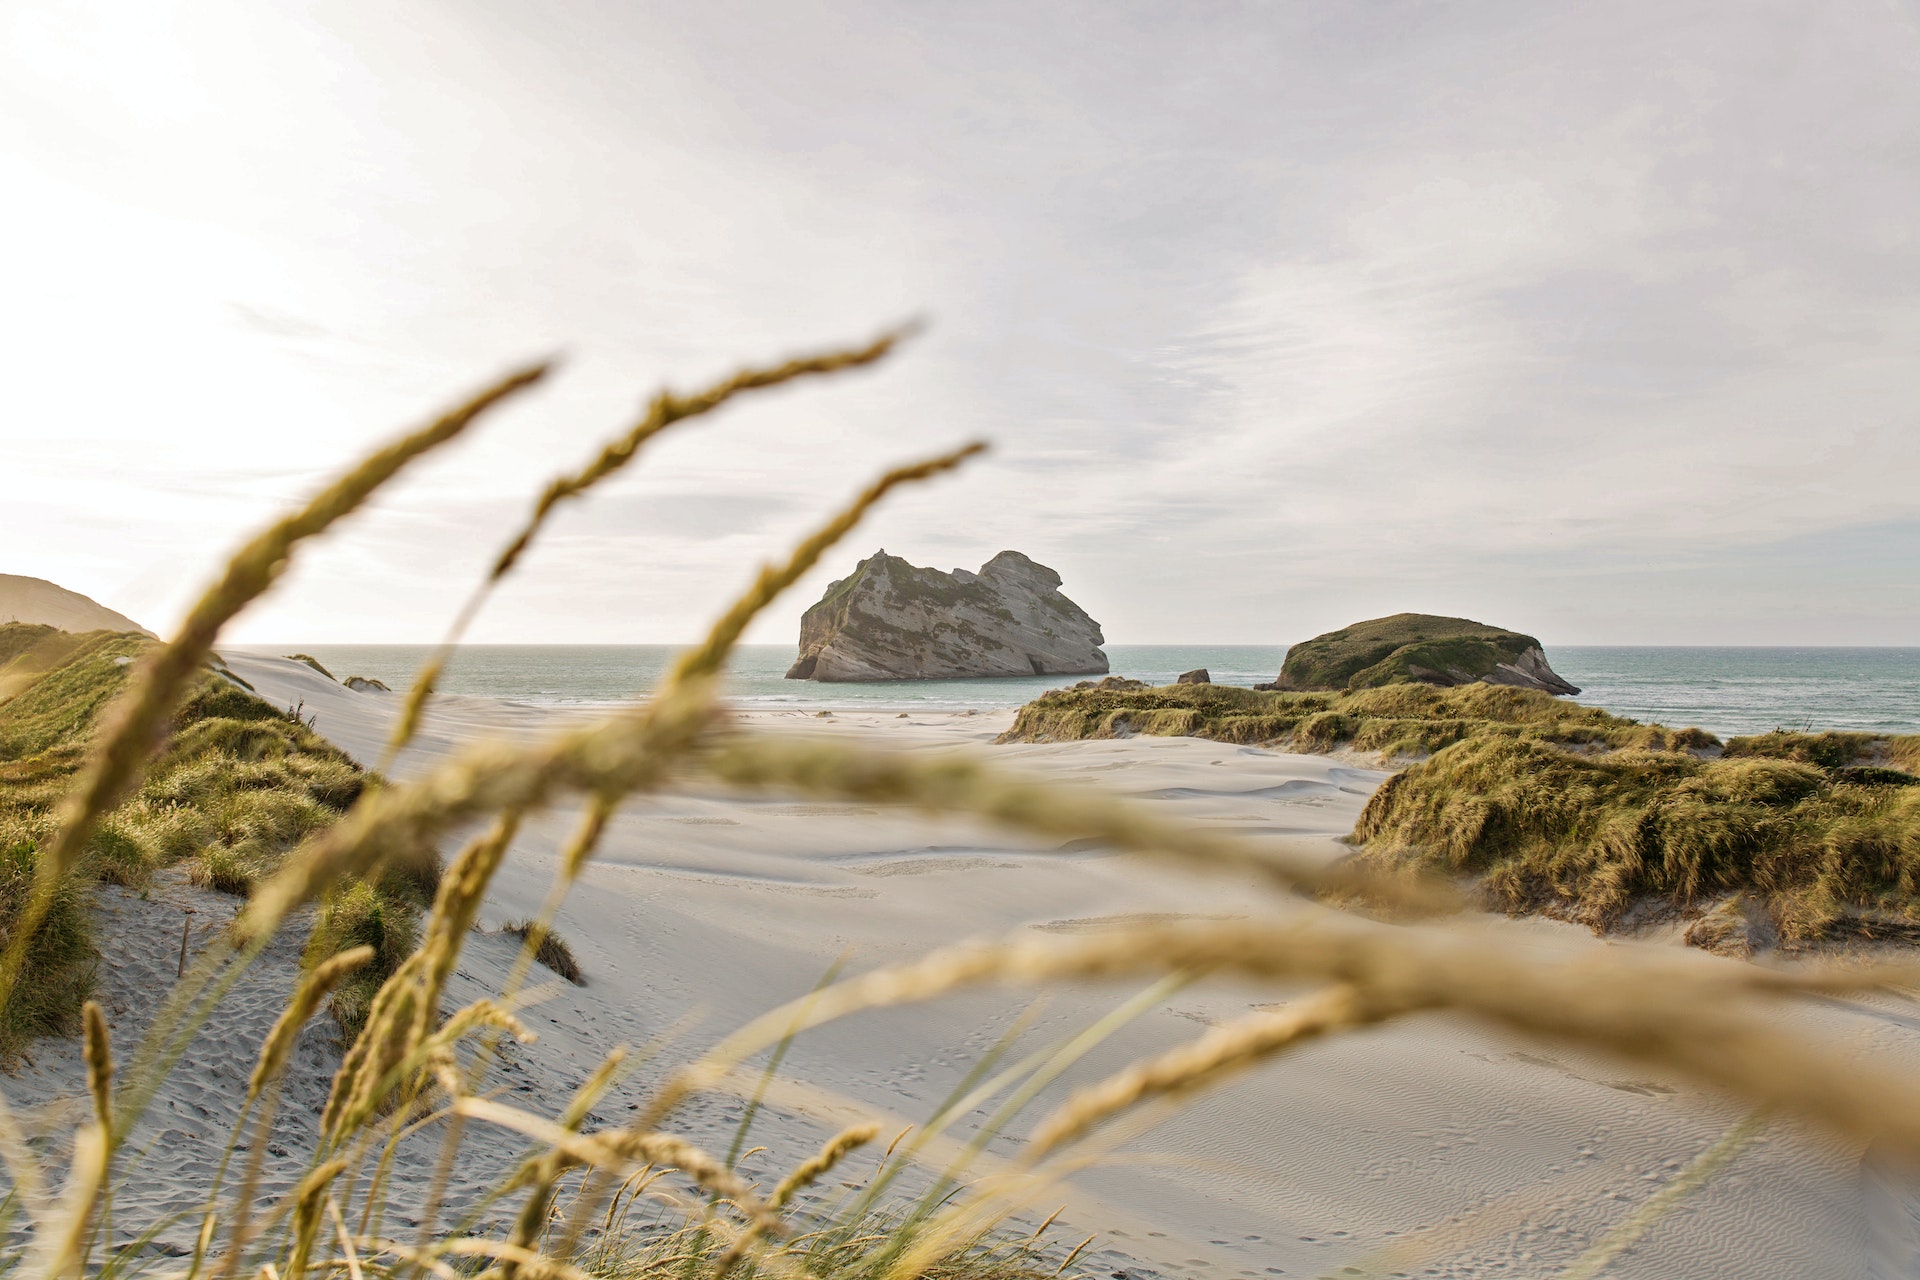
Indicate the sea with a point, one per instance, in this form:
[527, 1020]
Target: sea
[1726, 691]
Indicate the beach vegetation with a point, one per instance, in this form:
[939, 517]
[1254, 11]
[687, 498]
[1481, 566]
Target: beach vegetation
[362, 914]
[1815, 847]
[59, 971]
[1543, 805]
[28, 649]
[1402, 720]
[235, 785]
[274, 805]
[313, 662]
[549, 949]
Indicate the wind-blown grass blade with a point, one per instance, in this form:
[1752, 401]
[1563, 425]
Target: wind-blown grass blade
[98, 1055]
[1199, 1064]
[1662, 1202]
[407, 1005]
[803, 1176]
[663, 411]
[60, 1244]
[306, 998]
[962, 786]
[625, 1149]
[626, 753]
[129, 732]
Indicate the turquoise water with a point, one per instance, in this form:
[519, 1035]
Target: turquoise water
[602, 673]
[1725, 690]
[1751, 690]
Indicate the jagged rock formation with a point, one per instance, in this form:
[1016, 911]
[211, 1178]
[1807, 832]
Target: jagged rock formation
[37, 600]
[1196, 676]
[1418, 648]
[890, 620]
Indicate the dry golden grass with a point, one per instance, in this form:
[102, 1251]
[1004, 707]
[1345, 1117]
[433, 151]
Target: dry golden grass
[1719, 1024]
[663, 411]
[1819, 846]
[1395, 720]
[121, 752]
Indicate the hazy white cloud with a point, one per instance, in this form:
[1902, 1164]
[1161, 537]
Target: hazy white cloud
[1596, 321]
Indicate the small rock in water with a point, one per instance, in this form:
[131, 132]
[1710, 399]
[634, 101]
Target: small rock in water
[1196, 676]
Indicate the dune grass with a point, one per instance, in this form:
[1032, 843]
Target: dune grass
[1394, 720]
[415, 1066]
[1819, 839]
[313, 662]
[236, 785]
[549, 949]
[1548, 806]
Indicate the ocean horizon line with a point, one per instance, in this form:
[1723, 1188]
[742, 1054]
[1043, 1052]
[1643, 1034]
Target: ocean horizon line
[1111, 644]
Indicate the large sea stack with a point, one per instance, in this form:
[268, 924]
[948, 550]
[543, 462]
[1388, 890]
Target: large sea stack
[1421, 649]
[889, 620]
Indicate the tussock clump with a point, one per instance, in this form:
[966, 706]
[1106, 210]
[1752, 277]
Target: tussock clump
[224, 868]
[359, 915]
[552, 951]
[1835, 750]
[1404, 720]
[1325, 730]
[176, 832]
[1590, 837]
[122, 852]
[23, 640]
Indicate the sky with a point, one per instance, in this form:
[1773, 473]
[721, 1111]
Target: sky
[1594, 321]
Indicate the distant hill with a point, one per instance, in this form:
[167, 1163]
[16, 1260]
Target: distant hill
[39, 601]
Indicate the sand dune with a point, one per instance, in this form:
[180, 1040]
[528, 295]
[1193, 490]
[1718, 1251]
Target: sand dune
[1479, 1155]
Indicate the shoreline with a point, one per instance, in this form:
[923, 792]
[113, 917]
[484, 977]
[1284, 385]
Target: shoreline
[1726, 690]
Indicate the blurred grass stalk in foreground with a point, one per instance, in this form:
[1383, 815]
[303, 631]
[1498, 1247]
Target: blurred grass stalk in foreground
[573, 1199]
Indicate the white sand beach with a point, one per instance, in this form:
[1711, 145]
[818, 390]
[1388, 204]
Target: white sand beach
[1434, 1147]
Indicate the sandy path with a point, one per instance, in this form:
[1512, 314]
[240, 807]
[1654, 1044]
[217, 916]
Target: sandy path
[1504, 1158]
